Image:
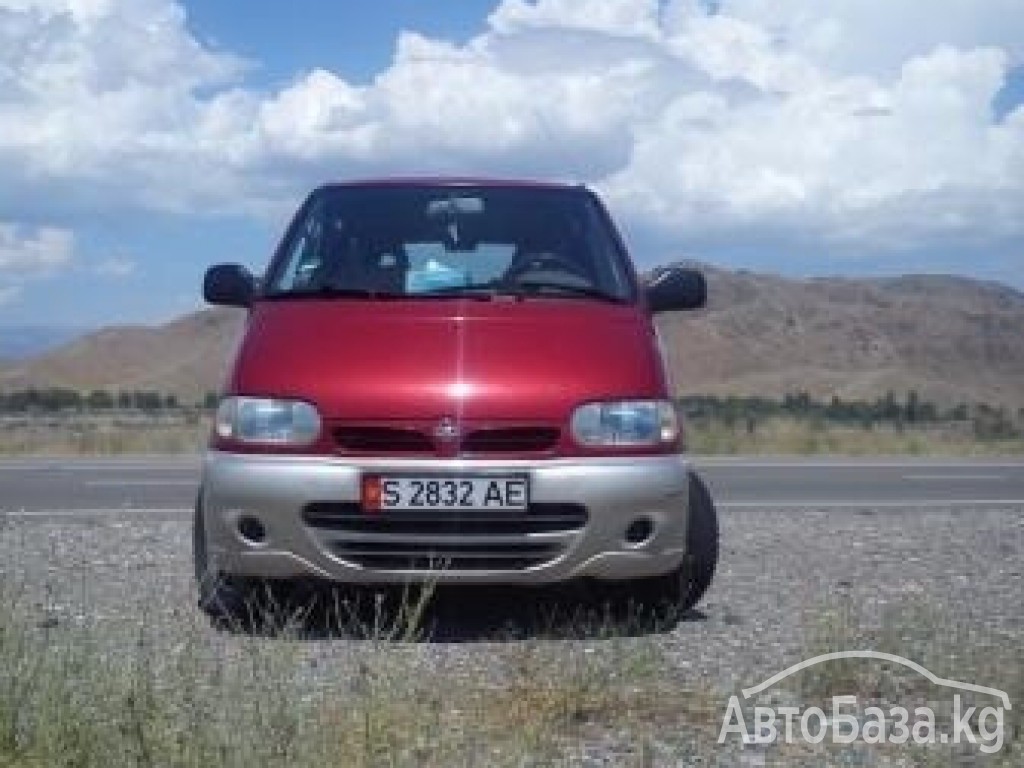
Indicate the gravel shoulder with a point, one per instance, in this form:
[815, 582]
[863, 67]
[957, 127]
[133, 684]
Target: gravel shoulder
[941, 586]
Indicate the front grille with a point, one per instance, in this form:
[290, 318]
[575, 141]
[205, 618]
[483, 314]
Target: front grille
[417, 439]
[415, 556]
[540, 517]
[382, 440]
[511, 440]
[455, 540]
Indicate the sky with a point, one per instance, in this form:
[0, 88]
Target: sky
[144, 140]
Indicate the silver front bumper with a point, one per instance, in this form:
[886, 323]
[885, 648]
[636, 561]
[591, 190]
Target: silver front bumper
[277, 489]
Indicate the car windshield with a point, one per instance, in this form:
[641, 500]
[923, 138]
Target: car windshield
[450, 241]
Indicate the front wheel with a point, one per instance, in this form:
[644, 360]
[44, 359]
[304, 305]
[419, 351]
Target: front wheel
[238, 602]
[683, 587]
[222, 597]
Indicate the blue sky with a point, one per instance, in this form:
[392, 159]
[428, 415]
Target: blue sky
[142, 140]
[354, 39]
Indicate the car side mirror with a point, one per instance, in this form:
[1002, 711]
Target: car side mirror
[676, 288]
[230, 285]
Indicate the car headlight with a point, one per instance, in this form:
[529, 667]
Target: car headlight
[628, 422]
[267, 420]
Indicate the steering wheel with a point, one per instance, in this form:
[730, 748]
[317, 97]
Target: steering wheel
[545, 261]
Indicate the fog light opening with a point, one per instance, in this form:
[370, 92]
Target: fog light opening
[639, 531]
[252, 530]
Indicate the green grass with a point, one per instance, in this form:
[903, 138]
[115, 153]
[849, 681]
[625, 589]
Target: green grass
[86, 696]
[924, 632]
[46, 438]
[170, 691]
[811, 437]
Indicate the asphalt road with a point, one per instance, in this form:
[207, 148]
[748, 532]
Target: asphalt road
[166, 486]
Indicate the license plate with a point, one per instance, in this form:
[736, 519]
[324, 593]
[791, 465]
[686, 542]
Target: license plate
[382, 492]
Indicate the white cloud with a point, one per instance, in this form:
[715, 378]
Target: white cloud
[101, 95]
[28, 251]
[865, 124]
[917, 158]
[610, 17]
[879, 36]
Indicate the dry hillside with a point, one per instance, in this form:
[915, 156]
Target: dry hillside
[951, 339]
[186, 357]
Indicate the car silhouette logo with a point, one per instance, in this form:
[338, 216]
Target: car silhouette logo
[446, 429]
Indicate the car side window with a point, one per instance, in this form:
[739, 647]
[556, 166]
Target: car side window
[603, 255]
[305, 256]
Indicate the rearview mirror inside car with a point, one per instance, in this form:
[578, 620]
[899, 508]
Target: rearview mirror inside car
[452, 207]
[676, 288]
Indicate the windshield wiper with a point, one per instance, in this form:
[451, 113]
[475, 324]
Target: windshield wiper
[332, 292]
[473, 290]
[567, 289]
[483, 291]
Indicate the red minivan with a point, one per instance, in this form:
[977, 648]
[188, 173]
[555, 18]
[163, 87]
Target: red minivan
[451, 380]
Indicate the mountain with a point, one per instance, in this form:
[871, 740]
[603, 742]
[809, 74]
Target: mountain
[186, 357]
[19, 342]
[952, 339]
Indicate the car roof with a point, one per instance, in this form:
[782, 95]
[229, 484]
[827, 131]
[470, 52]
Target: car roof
[451, 181]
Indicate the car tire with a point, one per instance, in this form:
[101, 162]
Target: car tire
[221, 597]
[238, 602]
[684, 587]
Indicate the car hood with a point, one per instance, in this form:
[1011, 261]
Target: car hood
[429, 358]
